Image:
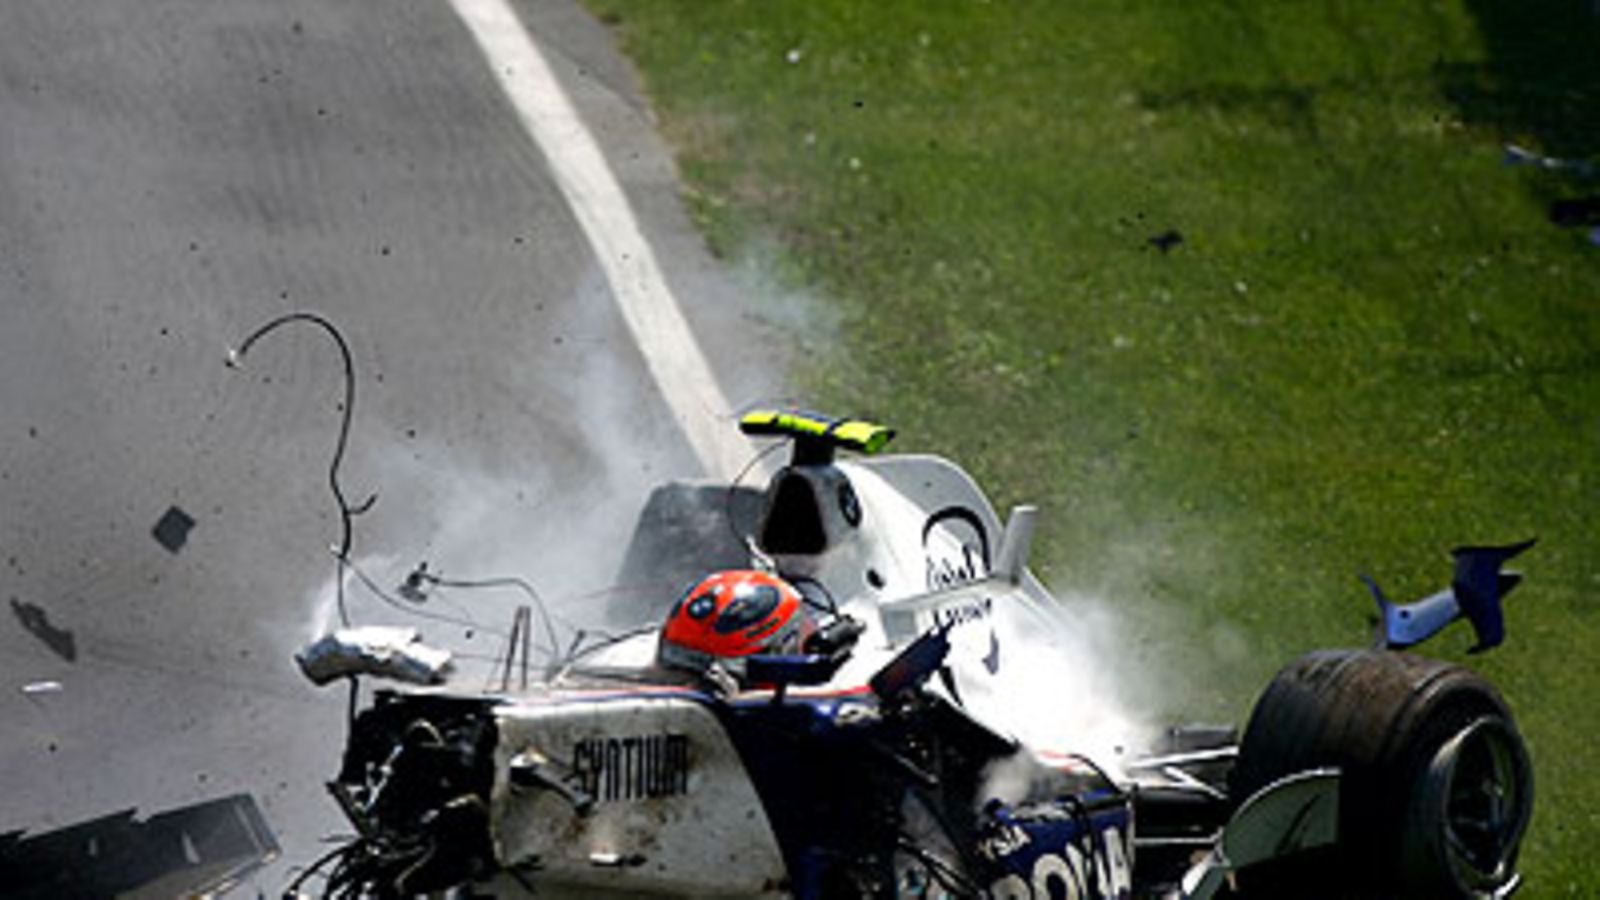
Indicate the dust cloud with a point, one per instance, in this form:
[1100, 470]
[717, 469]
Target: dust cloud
[1062, 684]
[1116, 662]
[547, 497]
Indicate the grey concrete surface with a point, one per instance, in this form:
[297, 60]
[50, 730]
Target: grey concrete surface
[174, 173]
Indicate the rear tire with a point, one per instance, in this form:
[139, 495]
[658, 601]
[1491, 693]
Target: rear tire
[1437, 787]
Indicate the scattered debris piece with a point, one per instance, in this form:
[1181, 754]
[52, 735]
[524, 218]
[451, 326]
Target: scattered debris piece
[37, 622]
[1521, 156]
[415, 587]
[385, 651]
[1166, 240]
[172, 531]
[1576, 211]
[199, 850]
[42, 687]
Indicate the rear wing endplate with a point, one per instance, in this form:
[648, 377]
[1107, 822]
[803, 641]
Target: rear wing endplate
[1475, 593]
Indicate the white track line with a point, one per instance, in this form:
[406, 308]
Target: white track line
[602, 209]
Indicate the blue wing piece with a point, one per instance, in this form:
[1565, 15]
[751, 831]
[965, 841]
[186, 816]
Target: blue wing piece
[1476, 593]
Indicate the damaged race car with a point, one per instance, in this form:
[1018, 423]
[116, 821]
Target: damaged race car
[821, 715]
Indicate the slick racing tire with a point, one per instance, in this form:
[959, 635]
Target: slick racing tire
[1437, 788]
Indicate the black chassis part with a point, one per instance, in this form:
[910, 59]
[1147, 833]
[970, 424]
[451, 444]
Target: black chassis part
[834, 792]
[415, 781]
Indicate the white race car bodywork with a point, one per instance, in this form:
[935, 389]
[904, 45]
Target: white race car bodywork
[660, 821]
[902, 769]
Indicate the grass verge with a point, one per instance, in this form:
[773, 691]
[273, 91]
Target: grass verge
[1241, 293]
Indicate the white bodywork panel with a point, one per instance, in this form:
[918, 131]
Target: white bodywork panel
[674, 812]
[924, 525]
[921, 553]
[932, 539]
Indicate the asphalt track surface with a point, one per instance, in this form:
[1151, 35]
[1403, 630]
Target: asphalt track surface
[174, 173]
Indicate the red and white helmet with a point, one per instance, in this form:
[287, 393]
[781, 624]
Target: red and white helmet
[734, 614]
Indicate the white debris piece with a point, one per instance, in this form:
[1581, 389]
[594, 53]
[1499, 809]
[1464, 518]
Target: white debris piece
[1522, 156]
[42, 687]
[389, 652]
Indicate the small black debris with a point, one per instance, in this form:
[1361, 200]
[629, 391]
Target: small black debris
[1166, 240]
[37, 622]
[1578, 211]
[172, 532]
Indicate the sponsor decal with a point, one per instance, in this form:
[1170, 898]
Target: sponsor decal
[632, 768]
[967, 611]
[1080, 869]
[963, 612]
[955, 545]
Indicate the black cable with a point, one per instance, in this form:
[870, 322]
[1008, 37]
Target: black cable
[355, 697]
[1085, 822]
[560, 657]
[576, 652]
[508, 581]
[947, 875]
[801, 582]
[413, 610]
[733, 486]
[602, 639]
[1099, 770]
[293, 890]
[346, 511]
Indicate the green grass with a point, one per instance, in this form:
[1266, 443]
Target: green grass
[1370, 345]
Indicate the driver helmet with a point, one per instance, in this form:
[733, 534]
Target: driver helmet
[733, 614]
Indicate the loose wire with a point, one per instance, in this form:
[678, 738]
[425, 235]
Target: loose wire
[346, 512]
[411, 609]
[293, 890]
[733, 487]
[557, 655]
[521, 584]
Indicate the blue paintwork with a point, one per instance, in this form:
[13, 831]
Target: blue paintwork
[1476, 592]
[1073, 846]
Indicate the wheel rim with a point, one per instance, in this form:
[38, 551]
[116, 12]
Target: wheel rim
[1484, 793]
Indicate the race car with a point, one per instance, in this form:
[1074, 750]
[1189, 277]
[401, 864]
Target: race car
[828, 711]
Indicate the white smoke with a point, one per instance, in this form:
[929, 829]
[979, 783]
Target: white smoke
[468, 526]
[1062, 685]
[783, 303]
[547, 495]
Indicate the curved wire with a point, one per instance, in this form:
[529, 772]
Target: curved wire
[733, 487]
[558, 657]
[413, 610]
[346, 511]
[949, 878]
[293, 890]
[608, 640]
[521, 584]
[1081, 814]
